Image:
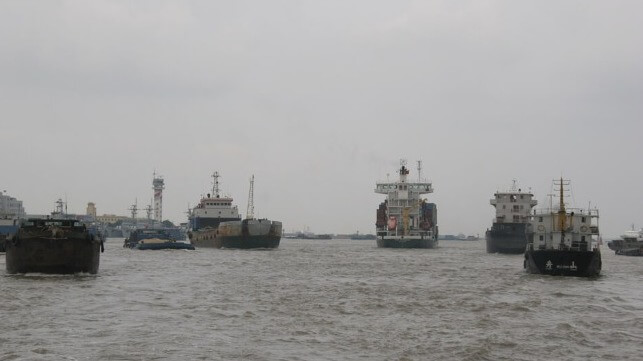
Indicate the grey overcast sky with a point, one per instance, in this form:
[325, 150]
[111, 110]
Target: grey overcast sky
[320, 99]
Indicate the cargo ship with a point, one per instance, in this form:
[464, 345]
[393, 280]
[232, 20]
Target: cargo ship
[208, 214]
[630, 243]
[404, 219]
[249, 232]
[560, 241]
[59, 246]
[508, 231]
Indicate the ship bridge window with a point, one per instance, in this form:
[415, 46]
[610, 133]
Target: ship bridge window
[582, 219]
[540, 219]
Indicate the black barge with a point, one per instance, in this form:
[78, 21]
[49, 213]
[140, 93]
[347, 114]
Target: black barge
[58, 246]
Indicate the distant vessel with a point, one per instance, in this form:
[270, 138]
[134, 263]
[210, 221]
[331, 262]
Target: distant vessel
[630, 243]
[8, 226]
[141, 234]
[302, 235]
[250, 232]
[161, 243]
[405, 220]
[53, 246]
[358, 237]
[507, 233]
[560, 241]
[208, 214]
[11, 211]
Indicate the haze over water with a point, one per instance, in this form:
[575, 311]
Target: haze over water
[322, 300]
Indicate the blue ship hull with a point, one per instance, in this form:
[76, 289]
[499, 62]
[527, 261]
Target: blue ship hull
[6, 232]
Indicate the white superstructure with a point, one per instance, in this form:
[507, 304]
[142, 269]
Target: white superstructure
[405, 215]
[564, 228]
[213, 208]
[513, 206]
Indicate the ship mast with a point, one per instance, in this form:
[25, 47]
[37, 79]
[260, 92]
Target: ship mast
[134, 209]
[562, 217]
[215, 184]
[403, 171]
[250, 212]
[149, 209]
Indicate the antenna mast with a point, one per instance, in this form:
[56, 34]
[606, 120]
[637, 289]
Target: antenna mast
[134, 209]
[215, 184]
[250, 213]
[149, 209]
[419, 171]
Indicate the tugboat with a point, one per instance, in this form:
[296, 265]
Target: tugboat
[630, 244]
[507, 233]
[250, 232]
[154, 238]
[59, 246]
[561, 242]
[405, 220]
[208, 214]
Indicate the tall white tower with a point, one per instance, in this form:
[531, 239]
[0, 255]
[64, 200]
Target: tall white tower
[158, 185]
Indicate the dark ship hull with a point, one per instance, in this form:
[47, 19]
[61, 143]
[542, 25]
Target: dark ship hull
[626, 247]
[203, 238]
[143, 245]
[52, 249]
[563, 262]
[205, 231]
[507, 238]
[407, 243]
[249, 233]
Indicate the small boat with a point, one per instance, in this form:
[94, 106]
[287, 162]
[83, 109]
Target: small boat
[559, 242]
[59, 246]
[140, 234]
[8, 226]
